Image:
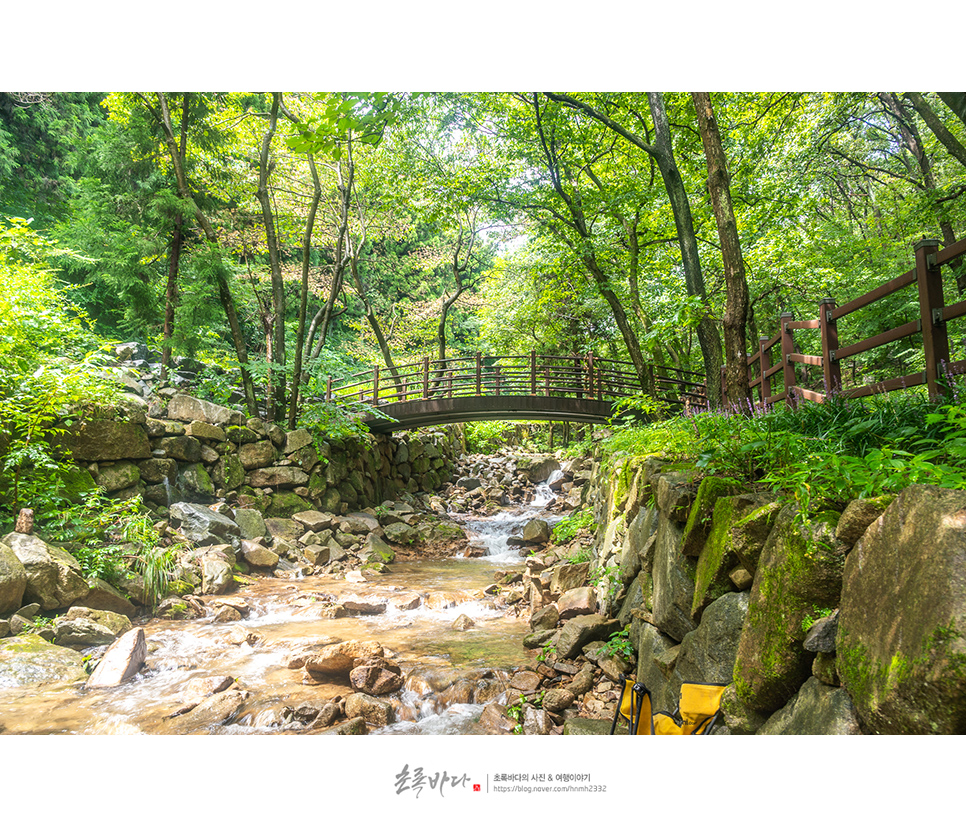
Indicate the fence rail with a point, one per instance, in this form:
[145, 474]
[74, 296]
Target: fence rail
[578, 377]
[934, 313]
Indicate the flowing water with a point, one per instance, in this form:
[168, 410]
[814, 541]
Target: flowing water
[450, 674]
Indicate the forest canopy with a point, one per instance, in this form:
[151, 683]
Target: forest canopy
[289, 237]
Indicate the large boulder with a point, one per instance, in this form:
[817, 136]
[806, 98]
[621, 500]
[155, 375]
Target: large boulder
[54, 577]
[118, 476]
[201, 525]
[673, 577]
[29, 660]
[901, 643]
[122, 661]
[799, 574]
[105, 597]
[373, 711]
[13, 581]
[278, 477]
[719, 553]
[708, 653]
[258, 556]
[339, 659]
[581, 630]
[816, 709]
[185, 408]
[93, 440]
[257, 455]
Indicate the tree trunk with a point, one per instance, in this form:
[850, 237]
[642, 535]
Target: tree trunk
[645, 371]
[955, 102]
[171, 296]
[174, 256]
[277, 400]
[736, 286]
[662, 152]
[221, 271]
[708, 338]
[297, 381]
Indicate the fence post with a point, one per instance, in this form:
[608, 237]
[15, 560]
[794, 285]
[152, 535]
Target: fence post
[787, 348]
[496, 378]
[533, 372]
[479, 374]
[935, 340]
[764, 364]
[375, 385]
[425, 377]
[831, 366]
[590, 375]
[328, 389]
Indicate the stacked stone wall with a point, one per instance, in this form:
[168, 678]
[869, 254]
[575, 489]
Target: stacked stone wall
[196, 451]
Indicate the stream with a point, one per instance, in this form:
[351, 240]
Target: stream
[450, 674]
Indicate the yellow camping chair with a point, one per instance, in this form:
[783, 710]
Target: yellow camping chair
[699, 707]
[696, 715]
[634, 707]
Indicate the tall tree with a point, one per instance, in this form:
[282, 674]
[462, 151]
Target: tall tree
[661, 149]
[159, 108]
[736, 286]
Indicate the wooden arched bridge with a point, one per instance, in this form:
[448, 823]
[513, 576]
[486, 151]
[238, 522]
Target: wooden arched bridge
[580, 389]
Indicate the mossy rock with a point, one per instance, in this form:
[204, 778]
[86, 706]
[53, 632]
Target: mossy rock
[287, 504]
[701, 517]
[749, 534]
[901, 643]
[800, 572]
[719, 553]
[75, 483]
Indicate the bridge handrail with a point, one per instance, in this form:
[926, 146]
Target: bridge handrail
[549, 375]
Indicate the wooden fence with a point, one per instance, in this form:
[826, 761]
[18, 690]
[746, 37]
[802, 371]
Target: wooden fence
[579, 377]
[934, 313]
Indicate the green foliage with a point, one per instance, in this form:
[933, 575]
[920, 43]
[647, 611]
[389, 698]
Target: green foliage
[48, 370]
[547, 654]
[332, 421]
[569, 527]
[619, 645]
[821, 455]
[486, 437]
[113, 538]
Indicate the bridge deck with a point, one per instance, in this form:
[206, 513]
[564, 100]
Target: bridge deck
[417, 413]
[580, 389]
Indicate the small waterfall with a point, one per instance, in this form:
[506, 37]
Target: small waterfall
[543, 494]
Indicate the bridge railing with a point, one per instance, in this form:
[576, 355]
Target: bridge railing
[533, 374]
[928, 331]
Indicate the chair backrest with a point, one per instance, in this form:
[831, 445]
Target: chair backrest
[699, 706]
[698, 710]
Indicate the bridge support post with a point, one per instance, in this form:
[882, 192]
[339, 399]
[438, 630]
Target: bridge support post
[479, 374]
[533, 372]
[375, 386]
[425, 377]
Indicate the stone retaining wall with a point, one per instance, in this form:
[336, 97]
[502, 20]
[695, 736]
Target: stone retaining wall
[197, 451]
